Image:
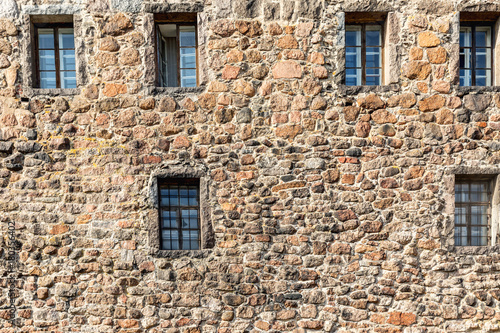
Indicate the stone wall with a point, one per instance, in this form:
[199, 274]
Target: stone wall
[330, 207]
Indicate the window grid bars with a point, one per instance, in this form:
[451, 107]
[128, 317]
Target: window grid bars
[468, 214]
[168, 184]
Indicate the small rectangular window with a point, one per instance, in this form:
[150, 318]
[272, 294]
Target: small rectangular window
[179, 203]
[476, 53]
[177, 51]
[55, 55]
[363, 54]
[472, 211]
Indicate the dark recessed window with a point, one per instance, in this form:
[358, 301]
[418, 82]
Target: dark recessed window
[55, 55]
[179, 202]
[476, 53]
[472, 212]
[176, 41]
[363, 54]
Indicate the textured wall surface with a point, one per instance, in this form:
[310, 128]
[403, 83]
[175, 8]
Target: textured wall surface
[329, 208]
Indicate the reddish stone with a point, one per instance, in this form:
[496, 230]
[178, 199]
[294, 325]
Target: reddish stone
[275, 29]
[445, 117]
[311, 86]
[416, 53]
[234, 56]
[244, 175]
[345, 215]
[436, 55]
[441, 86]
[151, 159]
[288, 42]
[59, 229]
[59, 143]
[288, 131]
[180, 142]
[128, 244]
[317, 58]
[363, 129]
[287, 69]
[117, 25]
[371, 102]
[432, 103]
[304, 29]
[417, 69]
[285, 186]
[126, 118]
[224, 28]
[249, 28]
[108, 44]
[340, 248]
[113, 89]
[331, 175]
[230, 72]
[428, 39]
[218, 175]
[320, 72]
[383, 116]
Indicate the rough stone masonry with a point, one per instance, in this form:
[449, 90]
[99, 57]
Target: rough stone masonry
[330, 208]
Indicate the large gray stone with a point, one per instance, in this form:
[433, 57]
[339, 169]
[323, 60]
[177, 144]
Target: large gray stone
[128, 6]
[8, 9]
[477, 102]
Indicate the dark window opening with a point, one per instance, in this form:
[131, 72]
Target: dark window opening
[472, 211]
[176, 40]
[179, 202]
[55, 55]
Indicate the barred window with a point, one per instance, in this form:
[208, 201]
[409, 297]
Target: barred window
[179, 214]
[472, 212]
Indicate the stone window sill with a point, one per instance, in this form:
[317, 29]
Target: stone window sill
[354, 90]
[475, 250]
[175, 254]
[466, 90]
[31, 92]
[175, 91]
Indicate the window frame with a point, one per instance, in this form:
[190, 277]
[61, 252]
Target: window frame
[473, 25]
[161, 182]
[363, 25]
[469, 180]
[36, 53]
[179, 19]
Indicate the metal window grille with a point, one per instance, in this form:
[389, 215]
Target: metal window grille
[179, 216]
[472, 212]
